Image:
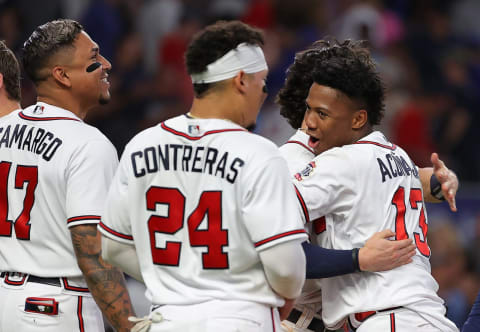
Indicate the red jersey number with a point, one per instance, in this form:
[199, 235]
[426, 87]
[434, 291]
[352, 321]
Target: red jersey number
[212, 236]
[400, 226]
[24, 175]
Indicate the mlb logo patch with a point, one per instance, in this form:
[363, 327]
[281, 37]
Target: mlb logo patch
[306, 171]
[194, 130]
[38, 109]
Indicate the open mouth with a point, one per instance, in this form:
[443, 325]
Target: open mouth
[105, 80]
[313, 141]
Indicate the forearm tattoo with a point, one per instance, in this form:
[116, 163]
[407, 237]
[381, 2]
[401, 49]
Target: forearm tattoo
[106, 283]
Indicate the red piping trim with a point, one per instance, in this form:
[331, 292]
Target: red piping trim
[179, 133]
[118, 234]
[31, 118]
[278, 236]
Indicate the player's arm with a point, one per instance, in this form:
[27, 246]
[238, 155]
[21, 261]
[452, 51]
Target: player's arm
[439, 181]
[105, 282]
[89, 176]
[286, 277]
[122, 255]
[378, 254]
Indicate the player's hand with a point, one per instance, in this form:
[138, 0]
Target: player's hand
[447, 179]
[381, 254]
[286, 309]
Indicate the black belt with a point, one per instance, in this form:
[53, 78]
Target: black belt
[40, 280]
[315, 325]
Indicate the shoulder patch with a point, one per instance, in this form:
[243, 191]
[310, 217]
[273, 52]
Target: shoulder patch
[307, 171]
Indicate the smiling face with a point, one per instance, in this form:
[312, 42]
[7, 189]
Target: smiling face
[92, 88]
[332, 118]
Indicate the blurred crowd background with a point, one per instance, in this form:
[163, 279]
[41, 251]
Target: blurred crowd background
[428, 53]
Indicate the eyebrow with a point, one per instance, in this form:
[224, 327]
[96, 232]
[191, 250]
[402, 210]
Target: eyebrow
[316, 108]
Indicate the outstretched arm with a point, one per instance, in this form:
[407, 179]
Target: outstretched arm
[106, 283]
[445, 179]
[378, 254]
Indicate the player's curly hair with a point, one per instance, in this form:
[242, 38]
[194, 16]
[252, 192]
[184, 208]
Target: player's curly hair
[345, 66]
[215, 41]
[10, 70]
[45, 42]
[292, 95]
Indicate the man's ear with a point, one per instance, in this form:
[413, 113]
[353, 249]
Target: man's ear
[360, 118]
[60, 75]
[240, 81]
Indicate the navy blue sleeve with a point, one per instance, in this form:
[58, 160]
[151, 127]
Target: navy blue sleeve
[324, 263]
[473, 321]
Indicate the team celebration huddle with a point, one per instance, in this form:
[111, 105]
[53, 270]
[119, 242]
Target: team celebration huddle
[227, 231]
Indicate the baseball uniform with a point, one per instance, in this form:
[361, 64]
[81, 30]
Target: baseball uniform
[296, 151]
[199, 199]
[298, 154]
[363, 188]
[55, 171]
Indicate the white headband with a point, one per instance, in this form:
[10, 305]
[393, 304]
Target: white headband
[246, 57]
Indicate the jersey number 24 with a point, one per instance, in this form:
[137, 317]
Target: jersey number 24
[213, 236]
[23, 174]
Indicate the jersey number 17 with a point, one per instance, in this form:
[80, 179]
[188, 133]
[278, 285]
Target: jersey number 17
[23, 174]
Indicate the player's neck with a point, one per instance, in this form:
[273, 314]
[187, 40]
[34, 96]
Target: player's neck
[215, 108]
[63, 101]
[362, 133]
[8, 106]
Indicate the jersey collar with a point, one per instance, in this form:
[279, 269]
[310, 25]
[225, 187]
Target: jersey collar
[377, 138]
[45, 112]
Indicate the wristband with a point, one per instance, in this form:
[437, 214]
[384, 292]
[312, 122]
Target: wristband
[356, 262]
[436, 188]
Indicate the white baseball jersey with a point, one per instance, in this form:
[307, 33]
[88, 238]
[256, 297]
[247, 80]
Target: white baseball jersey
[367, 187]
[55, 171]
[200, 198]
[298, 154]
[296, 151]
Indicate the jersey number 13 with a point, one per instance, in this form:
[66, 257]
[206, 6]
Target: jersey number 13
[400, 226]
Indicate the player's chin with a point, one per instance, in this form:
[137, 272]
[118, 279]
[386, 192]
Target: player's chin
[104, 98]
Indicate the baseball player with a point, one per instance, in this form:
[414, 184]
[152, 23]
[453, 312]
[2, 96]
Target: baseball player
[9, 81]
[362, 183]
[207, 206]
[54, 175]
[291, 98]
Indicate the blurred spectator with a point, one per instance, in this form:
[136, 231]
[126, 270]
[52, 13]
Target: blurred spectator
[465, 22]
[74, 9]
[104, 22]
[461, 124]
[170, 58]
[412, 126]
[448, 263]
[156, 18]
[34, 13]
[260, 14]
[10, 27]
